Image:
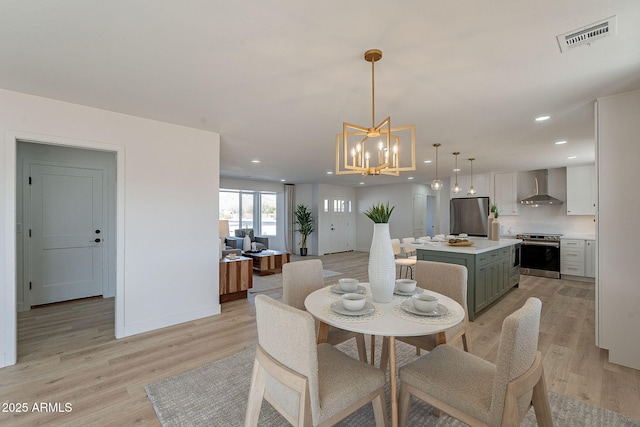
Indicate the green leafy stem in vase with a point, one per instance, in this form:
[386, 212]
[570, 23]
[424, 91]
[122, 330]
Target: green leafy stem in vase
[379, 213]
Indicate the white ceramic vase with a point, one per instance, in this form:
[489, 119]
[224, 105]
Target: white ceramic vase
[246, 244]
[382, 266]
[495, 230]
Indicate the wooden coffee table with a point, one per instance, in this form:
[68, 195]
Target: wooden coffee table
[268, 261]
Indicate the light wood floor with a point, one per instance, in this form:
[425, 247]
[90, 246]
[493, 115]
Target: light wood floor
[67, 352]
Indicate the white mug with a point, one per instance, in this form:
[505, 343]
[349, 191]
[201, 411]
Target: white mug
[254, 246]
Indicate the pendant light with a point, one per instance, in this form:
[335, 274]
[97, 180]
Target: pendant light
[377, 149]
[436, 185]
[472, 191]
[456, 186]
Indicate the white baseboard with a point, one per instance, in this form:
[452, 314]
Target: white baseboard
[164, 322]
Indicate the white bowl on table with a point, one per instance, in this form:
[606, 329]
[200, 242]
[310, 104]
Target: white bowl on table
[354, 302]
[425, 302]
[348, 285]
[406, 285]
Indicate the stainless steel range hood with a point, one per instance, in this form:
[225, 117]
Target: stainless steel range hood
[542, 196]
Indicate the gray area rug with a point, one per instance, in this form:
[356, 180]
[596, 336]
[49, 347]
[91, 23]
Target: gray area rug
[216, 395]
[274, 281]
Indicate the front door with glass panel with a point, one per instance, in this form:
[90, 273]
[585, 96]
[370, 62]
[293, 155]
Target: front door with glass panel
[340, 213]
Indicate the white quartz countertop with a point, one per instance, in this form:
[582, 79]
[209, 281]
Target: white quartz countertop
[480, 245]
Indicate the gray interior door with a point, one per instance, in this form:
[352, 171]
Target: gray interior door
[66, 227]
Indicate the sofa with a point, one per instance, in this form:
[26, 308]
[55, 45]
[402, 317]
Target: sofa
[260, 241]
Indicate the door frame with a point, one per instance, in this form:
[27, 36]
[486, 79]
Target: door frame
[10, 312]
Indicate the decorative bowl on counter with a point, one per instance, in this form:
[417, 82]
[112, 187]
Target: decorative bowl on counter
[459, 242]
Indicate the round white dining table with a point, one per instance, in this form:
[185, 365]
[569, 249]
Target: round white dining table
[388, 320]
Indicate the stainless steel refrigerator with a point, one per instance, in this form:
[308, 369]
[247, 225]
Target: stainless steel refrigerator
[469, 215]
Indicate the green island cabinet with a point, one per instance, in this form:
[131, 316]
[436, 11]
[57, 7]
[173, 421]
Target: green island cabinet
[489, 274]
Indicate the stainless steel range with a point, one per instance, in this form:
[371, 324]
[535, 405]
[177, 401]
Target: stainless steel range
[540, 254]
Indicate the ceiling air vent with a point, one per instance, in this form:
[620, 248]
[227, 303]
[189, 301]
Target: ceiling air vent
[587, 35]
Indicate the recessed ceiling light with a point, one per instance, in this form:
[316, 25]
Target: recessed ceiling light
[560, 142]
[255, 161]
[409, 177]
[283, 180]
[571, 157]
[329, 172]
[427, 161]
[456, 170]
[542, 118]
[362, 183]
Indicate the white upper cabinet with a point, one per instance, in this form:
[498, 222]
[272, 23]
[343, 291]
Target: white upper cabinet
[581, 190]
[506, 193]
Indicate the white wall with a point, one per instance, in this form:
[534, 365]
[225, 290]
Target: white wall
[617, 282]
[401, 221]
[167, 205]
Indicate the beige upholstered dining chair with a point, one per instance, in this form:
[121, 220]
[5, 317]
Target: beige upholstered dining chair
[309, 384]
[402, 261]
[409, 252]
[478, 392]
[299, 279]
[446, 279]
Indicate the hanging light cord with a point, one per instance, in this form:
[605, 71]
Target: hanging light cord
[373, 95]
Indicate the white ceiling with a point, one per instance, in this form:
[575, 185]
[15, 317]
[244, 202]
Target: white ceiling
[277, 78]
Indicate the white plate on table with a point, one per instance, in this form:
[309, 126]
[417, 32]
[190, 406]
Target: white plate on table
[407, 294]
[337, 307]
[407, 305]
[336, 288]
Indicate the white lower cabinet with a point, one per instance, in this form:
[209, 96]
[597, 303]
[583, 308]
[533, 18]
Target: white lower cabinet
[578, 257]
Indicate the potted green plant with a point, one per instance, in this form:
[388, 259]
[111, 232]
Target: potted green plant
[304, 220]
[382, 265]
[379, 213]
[495, 211]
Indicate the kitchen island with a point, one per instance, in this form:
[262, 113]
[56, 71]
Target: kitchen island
[493, 267]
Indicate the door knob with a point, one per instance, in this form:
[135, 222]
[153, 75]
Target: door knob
[97, 231]
[97, 240]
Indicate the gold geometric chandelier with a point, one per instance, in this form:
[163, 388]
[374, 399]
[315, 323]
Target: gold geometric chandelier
[377, 149]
